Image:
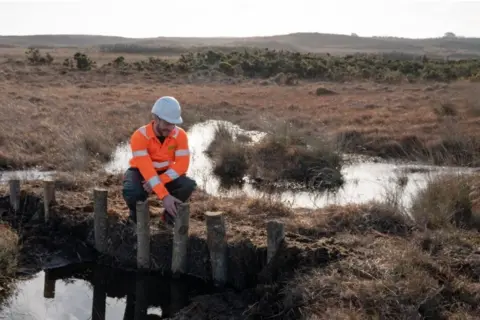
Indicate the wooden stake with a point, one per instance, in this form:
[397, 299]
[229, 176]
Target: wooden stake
[275, 237]
[141, 297]
[143, 235]
[100, 196]
[180, 240]
[217, 245]
[49, 285]
[99, 303]
[15, 194]
[48, 196]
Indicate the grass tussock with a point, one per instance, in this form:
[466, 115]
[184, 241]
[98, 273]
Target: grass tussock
[380, 217]
[9, 249]
[285, 156]
[278, 157]
[448, 200]
[229, 154]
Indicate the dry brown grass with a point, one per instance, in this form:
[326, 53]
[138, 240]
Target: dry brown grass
[288, 157]
[379, 217]
[75, 120]
[391, 270]
[448, 200]
[388, 278]
[8, 259]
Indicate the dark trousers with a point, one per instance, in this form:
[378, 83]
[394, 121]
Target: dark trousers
[181, 188]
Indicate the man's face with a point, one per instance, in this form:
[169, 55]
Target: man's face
[163, 127]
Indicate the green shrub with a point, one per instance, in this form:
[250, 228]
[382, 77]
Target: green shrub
[34, 57]
[258, 63]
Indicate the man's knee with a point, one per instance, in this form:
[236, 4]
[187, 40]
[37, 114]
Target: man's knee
[132, 187]
[183, 187]
[188, 183]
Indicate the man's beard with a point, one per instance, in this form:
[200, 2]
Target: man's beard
[162, 132]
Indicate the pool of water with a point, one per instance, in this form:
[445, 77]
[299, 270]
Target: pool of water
[365, 180]
[32, 174]
[88, 291]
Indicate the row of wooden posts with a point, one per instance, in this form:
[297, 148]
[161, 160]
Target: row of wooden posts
[215, 224]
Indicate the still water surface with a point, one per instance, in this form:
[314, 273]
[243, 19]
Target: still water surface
[87, 291]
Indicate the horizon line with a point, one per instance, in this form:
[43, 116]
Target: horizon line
[235, 37]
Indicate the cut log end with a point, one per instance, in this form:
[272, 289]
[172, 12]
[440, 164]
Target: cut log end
[275, 223]
[213, 213]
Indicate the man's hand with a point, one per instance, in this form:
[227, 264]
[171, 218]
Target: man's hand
[169, 203]
[147, 187]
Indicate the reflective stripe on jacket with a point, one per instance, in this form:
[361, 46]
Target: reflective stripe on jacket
[150, 156]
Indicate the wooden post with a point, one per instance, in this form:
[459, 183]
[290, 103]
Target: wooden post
[129, 306]
[180, 240]
[15, 194]
[48, 196]
[100, 196]
[275, 237]
[99, 303]
[49, 285]
[143, 235]
[141, 297]
[217, 245]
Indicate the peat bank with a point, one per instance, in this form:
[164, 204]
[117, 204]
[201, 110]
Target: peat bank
[147, 265]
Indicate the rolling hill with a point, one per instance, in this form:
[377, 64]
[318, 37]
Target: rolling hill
[302, 42]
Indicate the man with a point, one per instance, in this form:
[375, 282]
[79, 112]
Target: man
[160, 160]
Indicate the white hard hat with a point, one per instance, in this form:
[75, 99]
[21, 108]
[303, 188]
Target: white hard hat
[168, 109]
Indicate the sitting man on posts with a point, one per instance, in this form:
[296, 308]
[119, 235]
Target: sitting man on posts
[160, 160]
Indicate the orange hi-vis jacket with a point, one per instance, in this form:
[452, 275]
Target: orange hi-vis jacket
[149, 155]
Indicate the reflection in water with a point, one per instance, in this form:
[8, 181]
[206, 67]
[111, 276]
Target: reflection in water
[364, 181]
[99, 293]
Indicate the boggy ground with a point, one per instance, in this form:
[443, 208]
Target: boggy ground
[76, 119]
[355, 262]
[374, 263]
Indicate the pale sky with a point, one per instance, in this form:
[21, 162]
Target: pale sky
[205, 18]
